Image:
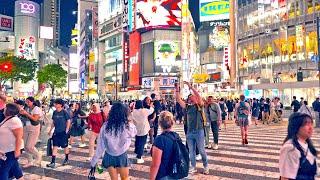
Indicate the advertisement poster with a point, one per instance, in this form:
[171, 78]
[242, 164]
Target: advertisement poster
[160, 13]
[95, 24]
[220, 35]
[6, 23]
[134, 58]
[212, 10]
[165, 53]
[91, 65]
[26, 47]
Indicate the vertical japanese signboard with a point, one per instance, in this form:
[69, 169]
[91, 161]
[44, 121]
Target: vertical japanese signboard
[134, 58]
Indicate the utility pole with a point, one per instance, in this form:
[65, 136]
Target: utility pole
[318, 58]
[116, 79]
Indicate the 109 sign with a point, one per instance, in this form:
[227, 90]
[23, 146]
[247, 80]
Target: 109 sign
[27, 8]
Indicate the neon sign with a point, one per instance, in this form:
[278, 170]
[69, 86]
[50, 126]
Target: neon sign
[27, 8]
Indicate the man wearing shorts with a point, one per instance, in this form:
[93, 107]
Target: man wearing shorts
[61, 123]
[242, 111]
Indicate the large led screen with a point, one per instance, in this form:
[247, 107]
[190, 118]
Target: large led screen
[219, 37]
[158, 13]
[165, 54]
[211, 10]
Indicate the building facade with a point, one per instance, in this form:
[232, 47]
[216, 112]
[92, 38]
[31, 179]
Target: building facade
[87, 47]
[110, 65]
[277, 40]
[26, 29]
[51, 18]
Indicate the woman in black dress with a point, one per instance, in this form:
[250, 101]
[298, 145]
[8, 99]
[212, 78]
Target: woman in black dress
[78, 125]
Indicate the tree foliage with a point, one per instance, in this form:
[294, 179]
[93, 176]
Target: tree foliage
[53, 75]
[17, 69]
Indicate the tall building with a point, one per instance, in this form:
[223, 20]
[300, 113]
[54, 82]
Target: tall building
[276, 46]
[110, 47]
[87, 46]
[51, 17]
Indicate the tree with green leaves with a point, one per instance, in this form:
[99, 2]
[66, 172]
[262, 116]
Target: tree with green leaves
[53, 75]
[16, 69]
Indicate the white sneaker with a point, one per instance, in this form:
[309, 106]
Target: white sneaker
[215, 147]
[198, 157]
[69, 146]
[140, 161]
[206, 171]
[89, 159]
[192, 170]
[209, 146]
[82, 145]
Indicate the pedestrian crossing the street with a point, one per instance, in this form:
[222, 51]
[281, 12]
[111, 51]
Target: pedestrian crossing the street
[257, 160]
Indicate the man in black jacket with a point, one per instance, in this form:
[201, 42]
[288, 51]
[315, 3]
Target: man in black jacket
[316, 108]
[295, 103]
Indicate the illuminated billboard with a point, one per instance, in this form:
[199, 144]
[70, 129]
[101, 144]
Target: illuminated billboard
[6, 23]
[165, 54]
[27, 48]
[211, 10]
[27, 8]
[161, 13]
[46, 32]
[219, 37]
[134, 59]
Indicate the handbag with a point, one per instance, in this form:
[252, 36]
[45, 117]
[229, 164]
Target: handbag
[49, 147]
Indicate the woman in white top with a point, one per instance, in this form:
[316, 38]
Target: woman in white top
[298, 155]
[32, 131]
[11, 143]
[140, 120]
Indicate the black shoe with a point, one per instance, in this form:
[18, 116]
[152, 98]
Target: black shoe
[65, 162]
[246, 141]
[51, 165]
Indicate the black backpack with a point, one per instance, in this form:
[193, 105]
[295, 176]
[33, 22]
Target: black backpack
[179, 166]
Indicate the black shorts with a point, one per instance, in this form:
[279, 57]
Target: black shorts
[60, 139]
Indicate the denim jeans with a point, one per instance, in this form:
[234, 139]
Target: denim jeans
[317, 119]
[10, 167]
[207, 129]
[196, 139]
[215, 131]
[139, 145]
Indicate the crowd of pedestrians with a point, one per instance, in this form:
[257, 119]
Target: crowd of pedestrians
[113, 126]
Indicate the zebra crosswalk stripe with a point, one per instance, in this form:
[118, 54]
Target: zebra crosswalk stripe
[258, 160]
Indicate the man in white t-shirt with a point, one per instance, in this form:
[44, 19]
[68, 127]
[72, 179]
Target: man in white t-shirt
[31, 131]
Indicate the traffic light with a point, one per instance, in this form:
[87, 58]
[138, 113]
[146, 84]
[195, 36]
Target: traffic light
[300, 76]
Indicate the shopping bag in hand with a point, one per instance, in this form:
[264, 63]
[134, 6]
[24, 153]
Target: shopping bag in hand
[49, 147]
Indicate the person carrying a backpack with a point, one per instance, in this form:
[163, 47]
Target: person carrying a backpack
[295, 104]
[213, 114]
[165, 151]
[242, 115]
[61, 124]
[195, 122]
[95, 121]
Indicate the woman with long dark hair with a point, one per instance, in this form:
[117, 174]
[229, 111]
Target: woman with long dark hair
[298, 154]
[114, 141]
[77, 127]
